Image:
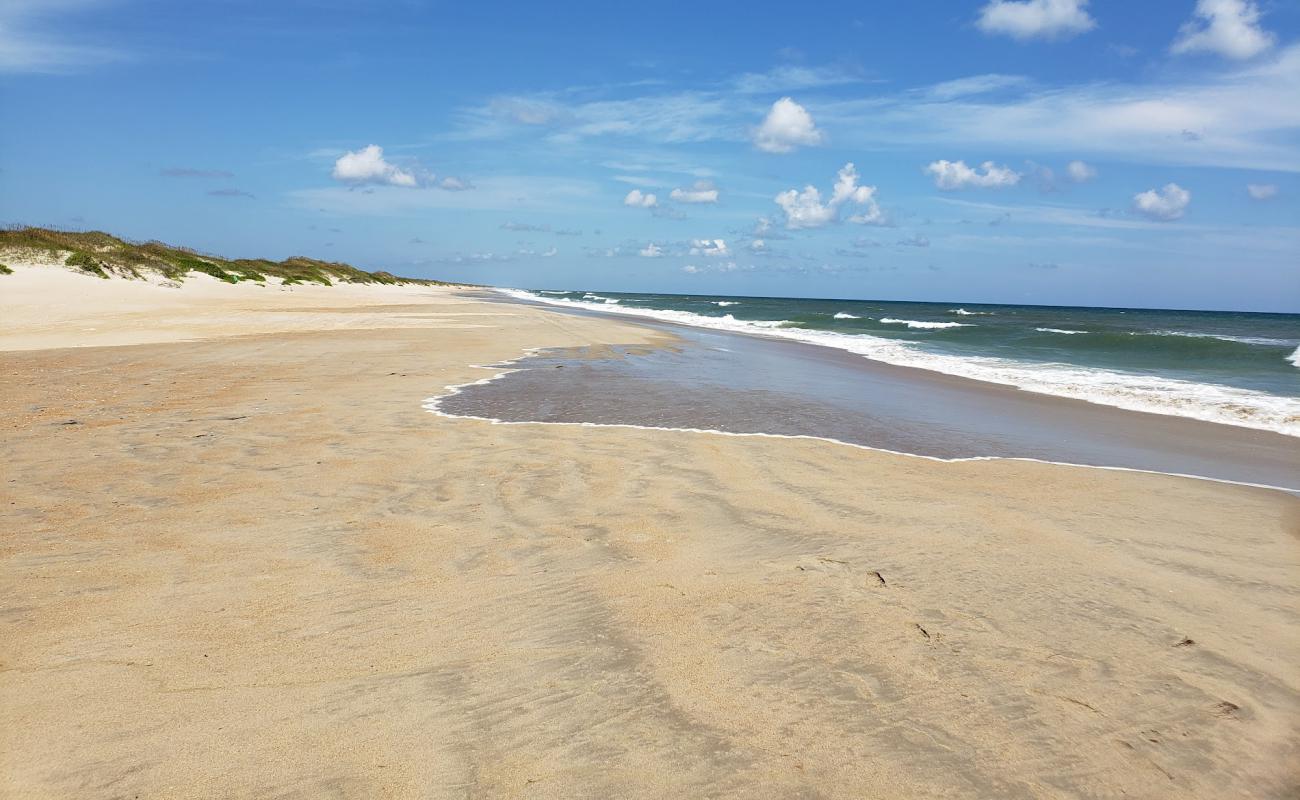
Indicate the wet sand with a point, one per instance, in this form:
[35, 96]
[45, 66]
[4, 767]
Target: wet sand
[738, 383]
[253, 565]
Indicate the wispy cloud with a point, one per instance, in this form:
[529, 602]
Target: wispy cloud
[33, 38]
[191, 172]
[1245, 118]
[791, 78]
[506, 193]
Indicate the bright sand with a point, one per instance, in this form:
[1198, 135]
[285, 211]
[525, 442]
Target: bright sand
[256, 567]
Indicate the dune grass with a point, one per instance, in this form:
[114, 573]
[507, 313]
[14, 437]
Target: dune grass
[106, 256]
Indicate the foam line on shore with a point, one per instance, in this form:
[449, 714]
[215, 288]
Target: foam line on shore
[1150, 394]
[503, 368]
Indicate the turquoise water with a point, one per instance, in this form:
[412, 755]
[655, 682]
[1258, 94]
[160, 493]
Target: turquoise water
[1229, 367]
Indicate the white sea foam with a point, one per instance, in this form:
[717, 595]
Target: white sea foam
[1056, 330]
[916, 323]
[725, 303]
[766, 324]
[607, 300]
[1223, 337]
[1150, 393]
[1294, 358]
[846, 315]
[961, 312]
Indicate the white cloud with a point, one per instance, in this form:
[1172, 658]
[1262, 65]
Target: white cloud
[720, 267]
[31, 43]
[973, 85]
[551, 253]
[1227, 27]
[1262, 191]
[788, 125]
[453, 184]
[758, 246]
[1246, 118]
[639, 199]
[1165, 204]
[700, 192]
[790, 78]
[508, 194]
[950, 175]
[1080, 172]
[1036, 19]
[651, 250]
[367, 166]
[526, 111]
[806, 210]
[639, 180]
[713, 248]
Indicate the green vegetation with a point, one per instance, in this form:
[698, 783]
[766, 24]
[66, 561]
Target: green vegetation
[102, 254]
[86, 263]
[4, 270]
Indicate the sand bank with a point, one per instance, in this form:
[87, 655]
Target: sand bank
[239, 559]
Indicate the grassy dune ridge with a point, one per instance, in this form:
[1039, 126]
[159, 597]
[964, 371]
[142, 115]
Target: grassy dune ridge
[105, 255]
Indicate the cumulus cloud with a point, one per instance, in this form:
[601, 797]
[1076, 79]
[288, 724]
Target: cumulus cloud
[367, 166]
[699, 192]
[1227, 27]
[714, 248]
[551, 253]
[787, 125]
[1080, 172]
[1262, 191]
[806, 210]
[1036, 19]
[651, 250]
[453, 184]
[1164, 204]
[950, 175]
[639, 199]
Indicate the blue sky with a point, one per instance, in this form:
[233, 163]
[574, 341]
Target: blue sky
[1049, 151]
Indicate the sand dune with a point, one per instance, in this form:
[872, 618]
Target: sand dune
[239, 559]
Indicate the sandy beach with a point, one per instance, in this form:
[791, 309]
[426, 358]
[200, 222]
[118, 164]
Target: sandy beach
[240, 559]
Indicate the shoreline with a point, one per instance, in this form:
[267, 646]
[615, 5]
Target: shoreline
[432, 405]
[1081, 418]
[245, 564]
[985, 369]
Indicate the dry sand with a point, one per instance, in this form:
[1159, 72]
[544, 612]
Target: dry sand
[255, 567]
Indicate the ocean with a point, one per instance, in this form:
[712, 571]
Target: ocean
[1227, 367]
